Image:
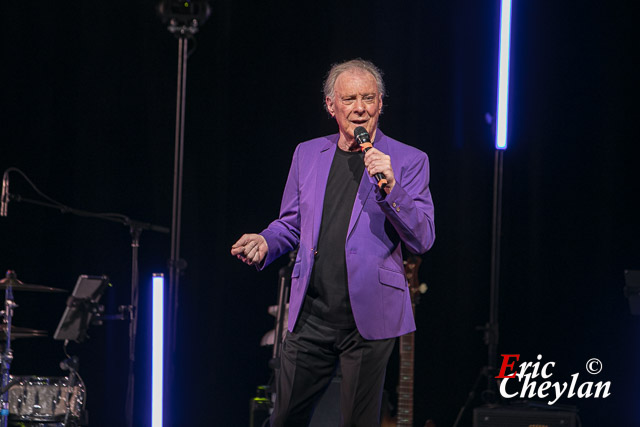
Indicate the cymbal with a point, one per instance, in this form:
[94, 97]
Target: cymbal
[17, 285]
[17, 332]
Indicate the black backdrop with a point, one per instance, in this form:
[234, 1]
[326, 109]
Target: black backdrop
[88, 114]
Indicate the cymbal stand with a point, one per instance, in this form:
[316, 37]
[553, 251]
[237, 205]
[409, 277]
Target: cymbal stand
[71, 364]
[7, 355]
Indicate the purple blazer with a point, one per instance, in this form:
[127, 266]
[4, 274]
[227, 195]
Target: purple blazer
[377, 284]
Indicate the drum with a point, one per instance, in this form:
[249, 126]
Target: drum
[45, 399]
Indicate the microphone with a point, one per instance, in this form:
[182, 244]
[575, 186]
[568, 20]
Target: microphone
[4, 200]
[363, 138]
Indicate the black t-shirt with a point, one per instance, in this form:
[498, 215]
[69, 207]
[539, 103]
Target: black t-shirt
[328, 293]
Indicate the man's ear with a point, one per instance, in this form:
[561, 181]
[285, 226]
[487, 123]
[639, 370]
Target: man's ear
[330, 107]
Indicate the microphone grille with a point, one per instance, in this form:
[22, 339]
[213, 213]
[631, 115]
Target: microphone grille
[361, 134]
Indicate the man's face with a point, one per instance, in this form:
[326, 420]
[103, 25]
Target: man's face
[356, 103]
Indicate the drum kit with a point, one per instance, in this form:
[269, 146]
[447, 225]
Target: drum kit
[31, 400]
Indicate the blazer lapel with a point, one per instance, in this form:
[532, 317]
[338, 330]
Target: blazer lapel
[323, 165]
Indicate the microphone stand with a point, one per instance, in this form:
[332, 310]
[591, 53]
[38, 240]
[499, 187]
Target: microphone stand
[283, 299]
[136, 228]
[133, 320]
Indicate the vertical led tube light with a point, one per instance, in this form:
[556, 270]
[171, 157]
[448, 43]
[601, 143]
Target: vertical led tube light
[503, 75]
[157, 349]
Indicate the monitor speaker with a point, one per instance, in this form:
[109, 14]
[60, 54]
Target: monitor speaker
[522, 417]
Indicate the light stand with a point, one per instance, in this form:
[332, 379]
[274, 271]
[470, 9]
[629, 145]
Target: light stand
[491, 329]
[184, 19]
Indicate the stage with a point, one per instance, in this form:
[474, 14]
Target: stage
[89, 116]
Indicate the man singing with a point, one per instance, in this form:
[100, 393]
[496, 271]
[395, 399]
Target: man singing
[349, 296]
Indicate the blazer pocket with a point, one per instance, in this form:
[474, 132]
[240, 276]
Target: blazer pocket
[392, 278]
[296, 270]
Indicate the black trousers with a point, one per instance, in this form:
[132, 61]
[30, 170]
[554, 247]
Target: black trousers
[308, 362]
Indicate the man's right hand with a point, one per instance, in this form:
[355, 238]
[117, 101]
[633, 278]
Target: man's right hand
[250, 249]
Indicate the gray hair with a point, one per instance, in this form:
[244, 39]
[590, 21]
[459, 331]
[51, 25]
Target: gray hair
[354, 64]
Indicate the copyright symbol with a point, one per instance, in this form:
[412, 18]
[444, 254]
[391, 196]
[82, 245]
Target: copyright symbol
[594, 366]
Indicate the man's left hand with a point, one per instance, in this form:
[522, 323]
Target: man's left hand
[378, 162]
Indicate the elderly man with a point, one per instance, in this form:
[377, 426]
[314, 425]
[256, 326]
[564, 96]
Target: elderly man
[349, 297]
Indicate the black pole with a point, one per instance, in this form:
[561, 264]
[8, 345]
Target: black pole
[175, 264]
[133, 323]
[184, 20]
[283, 299]
[492, 331]
[491, 328]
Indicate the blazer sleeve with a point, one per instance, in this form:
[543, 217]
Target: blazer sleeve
[409, 206]
[283, 234]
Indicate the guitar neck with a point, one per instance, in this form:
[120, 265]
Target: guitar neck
[405, 384]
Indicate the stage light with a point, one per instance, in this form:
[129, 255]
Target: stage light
[503, 76]
[184, 16]
[157, 348]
